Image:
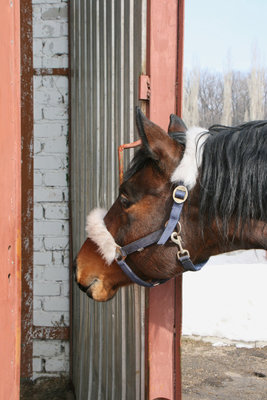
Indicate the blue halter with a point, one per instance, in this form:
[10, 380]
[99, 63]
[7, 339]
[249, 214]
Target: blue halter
[160, 237]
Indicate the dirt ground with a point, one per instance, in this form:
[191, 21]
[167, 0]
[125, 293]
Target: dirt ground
[46, 389]
[223, 373]
[208, 373]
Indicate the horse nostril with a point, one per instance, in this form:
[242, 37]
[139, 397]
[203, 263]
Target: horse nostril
[89, 289]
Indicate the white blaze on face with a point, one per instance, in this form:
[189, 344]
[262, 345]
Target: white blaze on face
[97, 231]
[187, 170]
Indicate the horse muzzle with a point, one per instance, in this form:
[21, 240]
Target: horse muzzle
[93, 275]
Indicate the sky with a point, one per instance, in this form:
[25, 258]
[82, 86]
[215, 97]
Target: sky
[225, 33]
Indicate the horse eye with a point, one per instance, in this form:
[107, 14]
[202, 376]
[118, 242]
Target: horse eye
[125, 202]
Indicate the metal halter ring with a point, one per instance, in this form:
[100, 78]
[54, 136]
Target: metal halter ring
[183, 189]
[119, 254]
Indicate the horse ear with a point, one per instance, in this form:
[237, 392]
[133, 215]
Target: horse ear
[176, 124]
[156, 141]
[151, 135]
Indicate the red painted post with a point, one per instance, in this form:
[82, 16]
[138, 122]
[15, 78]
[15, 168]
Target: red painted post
[10, 199]
[164, 311]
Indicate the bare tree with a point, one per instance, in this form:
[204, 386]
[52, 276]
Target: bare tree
[210, 98]
[240, 97]
[227, 99]
[191, 90]
[256, 88]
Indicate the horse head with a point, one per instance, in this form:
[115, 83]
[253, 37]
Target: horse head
[142, 207]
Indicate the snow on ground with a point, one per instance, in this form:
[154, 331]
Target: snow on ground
[228, 298]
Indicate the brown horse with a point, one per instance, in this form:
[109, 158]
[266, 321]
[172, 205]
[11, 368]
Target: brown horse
[224, 173]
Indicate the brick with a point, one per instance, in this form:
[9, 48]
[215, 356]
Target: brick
[56, 61]
[49, 318]
[50, 130]
[37, 178]
[56, 303]
[56, 243]
[58, 178]
[55, 113]
[57, 83]
[56, 365]
[37, 83]
[59, 211]
[57, 145]
[47, 162]
[49, 29]
[51, 228]
[67, 260]
[49, 194]
[56, 274]
[65, 288]
[65, 192]
[47, 289]
[37, 53]
[50, 348]
[38, 212]
[38, 112]
[42, 257]
[36, 364]
[55, 13]
[38, 272]
[38, 243]
[52, 97]
[56, 47]
[37, 146]
[65, 163]
[37, 303]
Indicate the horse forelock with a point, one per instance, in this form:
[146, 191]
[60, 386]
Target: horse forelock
[187, 170]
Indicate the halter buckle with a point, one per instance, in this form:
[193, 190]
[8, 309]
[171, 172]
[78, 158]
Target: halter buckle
[182, 189]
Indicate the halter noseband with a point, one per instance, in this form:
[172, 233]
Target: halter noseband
[160, 237]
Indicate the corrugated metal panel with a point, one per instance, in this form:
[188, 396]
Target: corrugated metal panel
[107, 55]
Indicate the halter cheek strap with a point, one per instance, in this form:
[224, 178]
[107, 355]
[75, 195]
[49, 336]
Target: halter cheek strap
[138, 245]
[180, 195]
[160, 237]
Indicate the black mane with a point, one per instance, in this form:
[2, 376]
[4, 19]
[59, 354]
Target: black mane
[233, 175]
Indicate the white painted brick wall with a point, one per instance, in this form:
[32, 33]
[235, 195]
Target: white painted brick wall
[51, 225]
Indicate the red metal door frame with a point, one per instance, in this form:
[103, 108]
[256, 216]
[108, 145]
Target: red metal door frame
[10, 199]
[164, 60]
